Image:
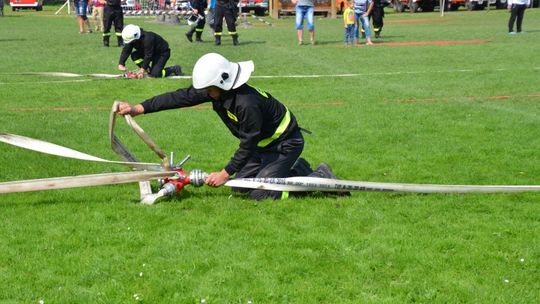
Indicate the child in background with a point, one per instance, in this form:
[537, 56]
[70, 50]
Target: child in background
[348, 20]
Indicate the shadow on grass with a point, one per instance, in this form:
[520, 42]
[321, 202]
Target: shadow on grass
[13, 40]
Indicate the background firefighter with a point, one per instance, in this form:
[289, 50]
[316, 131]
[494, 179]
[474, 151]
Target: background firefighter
[198, 7]
[270, 138]
[227, 9]
[149, 51]
[377, 15]
[113, 14]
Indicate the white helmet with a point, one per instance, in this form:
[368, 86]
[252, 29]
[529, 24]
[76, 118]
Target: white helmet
[215, 70]
[131, 32]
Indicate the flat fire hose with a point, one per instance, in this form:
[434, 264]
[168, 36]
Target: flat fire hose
[293, 184]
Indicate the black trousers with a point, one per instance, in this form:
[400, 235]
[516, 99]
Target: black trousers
[230, 18]
[377, 16]
[157, 65]
[518, 10]
[274, 161]
[113, 15]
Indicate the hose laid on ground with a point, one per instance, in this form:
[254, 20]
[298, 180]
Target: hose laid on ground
[293, 184]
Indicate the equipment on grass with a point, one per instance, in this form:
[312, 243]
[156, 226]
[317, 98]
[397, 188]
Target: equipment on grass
[172, 177]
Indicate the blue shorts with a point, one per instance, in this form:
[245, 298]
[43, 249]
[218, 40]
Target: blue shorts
[80, 7]
[301, 12]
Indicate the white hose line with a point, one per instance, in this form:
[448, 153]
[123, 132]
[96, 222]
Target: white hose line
[53, 149]
[293, 184]
[81, 181]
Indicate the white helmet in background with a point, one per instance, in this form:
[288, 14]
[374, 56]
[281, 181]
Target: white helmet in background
[215, 70]
[131, 32]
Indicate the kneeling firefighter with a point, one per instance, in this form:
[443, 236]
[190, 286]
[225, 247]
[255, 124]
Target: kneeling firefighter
[149, 51]
[270, 138]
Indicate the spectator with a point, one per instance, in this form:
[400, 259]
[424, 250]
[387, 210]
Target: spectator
[362, 9]
[270, 138]
[227, 9]
[198, 7]
[149, 51]
[97, 14]
[113, 14]
[305, 9]
[517, 10]
[348, 20]
[80, 7]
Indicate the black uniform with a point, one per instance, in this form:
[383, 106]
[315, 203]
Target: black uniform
[113, 13]
[270, 139]
[150, 52]
[377, 15]
[200, 6]
[227, 9]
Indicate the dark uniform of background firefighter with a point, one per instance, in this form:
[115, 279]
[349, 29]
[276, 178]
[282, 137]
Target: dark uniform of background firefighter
[227, 9]
[149, 51]
[377, 15]
[198, 7]
[113, 13]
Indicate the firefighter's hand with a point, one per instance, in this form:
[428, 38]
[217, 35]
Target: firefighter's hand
[121, 67]
[195, 11]
[217, 179]
[140, 73]
[125, 108]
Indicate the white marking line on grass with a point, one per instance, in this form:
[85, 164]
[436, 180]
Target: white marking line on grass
[45, 82]
[108, 76]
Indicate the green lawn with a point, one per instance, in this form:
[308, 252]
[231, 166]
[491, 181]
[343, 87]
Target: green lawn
[464, 113]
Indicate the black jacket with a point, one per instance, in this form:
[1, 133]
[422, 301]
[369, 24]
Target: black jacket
[251, 115]
[114, 3]
[199, 5]
[151, 45]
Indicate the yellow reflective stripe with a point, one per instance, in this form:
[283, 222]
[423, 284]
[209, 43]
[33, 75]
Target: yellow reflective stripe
[106, 34]
[232, 33]
[217, 34]
[198, 30]
[138, 61]
[118, 34]
[285, 195]
[280, 129]
[232, 116]
[163, 73]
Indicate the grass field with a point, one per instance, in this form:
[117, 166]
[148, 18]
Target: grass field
[463, 113]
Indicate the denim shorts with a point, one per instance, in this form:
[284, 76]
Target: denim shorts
[304, 11]
[80, 7]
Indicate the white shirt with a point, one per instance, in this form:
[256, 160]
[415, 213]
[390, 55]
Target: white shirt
[521, 2]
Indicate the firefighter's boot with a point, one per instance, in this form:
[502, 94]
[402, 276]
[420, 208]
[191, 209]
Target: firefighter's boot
[234, 39]
[189, 36]
[218, 40]
[106, 40]
[175, 70]
[198, 37]
[120, 41]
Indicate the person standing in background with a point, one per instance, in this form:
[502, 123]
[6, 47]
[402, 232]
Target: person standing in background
[348, 20]
[362, 9]
[198, 7]
[377, 15]
[97, 14]
[517, 10]
[305, 9]
[113, 14]
[227, 9]
[81, 6]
